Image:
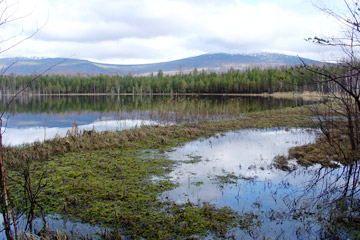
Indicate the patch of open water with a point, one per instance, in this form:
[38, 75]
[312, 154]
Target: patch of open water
[236, 169]
[57, 222]
[18, 136]
[244, 156]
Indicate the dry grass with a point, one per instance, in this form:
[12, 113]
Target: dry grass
[305, 95]
[57, 235]
[324, 153]
[281, 162]
[151, 137]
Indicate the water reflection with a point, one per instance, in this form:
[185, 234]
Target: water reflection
[18, 136]
[57, 222]
[236, 170]
[246, 154]
[42, 117]
[127, 104]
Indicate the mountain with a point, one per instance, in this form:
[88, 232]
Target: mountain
[217, 62]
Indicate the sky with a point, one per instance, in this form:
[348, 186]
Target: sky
[147, 31]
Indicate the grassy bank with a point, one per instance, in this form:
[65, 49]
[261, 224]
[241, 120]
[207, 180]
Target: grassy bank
[116, 178]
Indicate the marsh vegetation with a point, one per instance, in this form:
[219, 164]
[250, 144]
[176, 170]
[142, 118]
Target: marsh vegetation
[127, 184]
[229, 167]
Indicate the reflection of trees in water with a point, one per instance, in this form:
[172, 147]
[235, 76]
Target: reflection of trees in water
[166, 108]
[325, 203]
[338, 119]
[339, 116]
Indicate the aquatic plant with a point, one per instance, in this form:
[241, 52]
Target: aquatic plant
[107, 178]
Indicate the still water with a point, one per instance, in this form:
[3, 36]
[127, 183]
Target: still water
[31, 119]
[236, 169]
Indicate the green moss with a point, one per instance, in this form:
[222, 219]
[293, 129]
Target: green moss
[227, 178]
[114, 188]
[193, 159]
[199, 183]
[116, 178]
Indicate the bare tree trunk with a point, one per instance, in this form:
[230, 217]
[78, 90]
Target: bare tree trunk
[4, 192]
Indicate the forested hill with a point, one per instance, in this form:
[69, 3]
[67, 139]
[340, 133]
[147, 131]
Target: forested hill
[254, 80]
[219, 62]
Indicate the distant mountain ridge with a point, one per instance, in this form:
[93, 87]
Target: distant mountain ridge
[216, 62]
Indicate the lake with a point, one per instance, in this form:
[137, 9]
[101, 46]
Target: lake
[37, 118]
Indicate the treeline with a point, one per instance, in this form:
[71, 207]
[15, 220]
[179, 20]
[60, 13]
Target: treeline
[250, 81]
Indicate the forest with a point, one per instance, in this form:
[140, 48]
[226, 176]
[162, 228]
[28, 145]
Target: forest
[256, 80]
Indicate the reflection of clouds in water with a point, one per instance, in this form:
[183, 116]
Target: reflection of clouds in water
[242, 151]
[54, 222]
[245, 153]
[17, 136]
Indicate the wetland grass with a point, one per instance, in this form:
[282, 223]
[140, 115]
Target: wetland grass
[56, 235]
[154, 137]
[112, 179]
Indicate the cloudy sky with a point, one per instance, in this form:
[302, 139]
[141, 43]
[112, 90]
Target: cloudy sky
[144, 31]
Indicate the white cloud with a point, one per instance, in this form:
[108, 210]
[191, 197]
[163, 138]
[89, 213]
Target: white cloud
[129, 31]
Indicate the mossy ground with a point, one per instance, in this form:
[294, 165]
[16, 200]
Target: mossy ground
[108, 178]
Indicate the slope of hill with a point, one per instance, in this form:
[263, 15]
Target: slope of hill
[217, 62]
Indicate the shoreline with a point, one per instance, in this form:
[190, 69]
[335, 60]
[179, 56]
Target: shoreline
[274, 94]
